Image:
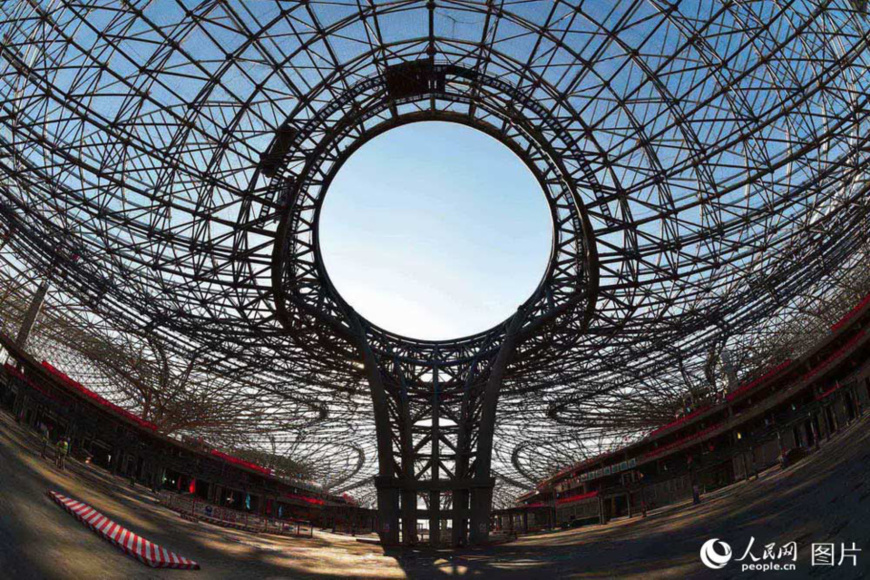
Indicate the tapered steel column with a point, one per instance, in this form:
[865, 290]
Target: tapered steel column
[435, 495]
[409, 494]
[388, 494]
[31, 315]
[483, 482]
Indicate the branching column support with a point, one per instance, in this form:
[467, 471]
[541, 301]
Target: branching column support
[388, 493]
[474, 505]
[409, 492]
[483, 482]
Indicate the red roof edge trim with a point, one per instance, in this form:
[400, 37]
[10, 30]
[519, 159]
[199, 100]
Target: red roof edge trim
[851, 314]
[305, 498]
[109, 406]
[578, 497]
[775, 371]
[681, 420]
[241, 462]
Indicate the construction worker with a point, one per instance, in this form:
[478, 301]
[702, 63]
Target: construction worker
[62, 451]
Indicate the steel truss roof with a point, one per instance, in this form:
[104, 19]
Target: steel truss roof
[718, 151]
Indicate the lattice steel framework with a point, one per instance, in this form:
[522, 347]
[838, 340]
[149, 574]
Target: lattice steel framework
[705, 165]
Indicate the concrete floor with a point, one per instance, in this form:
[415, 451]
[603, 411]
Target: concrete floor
[825, 498]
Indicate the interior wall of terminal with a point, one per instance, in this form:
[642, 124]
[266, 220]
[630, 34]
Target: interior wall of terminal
[777, 417]
[190, 478]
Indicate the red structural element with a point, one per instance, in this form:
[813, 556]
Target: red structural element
[14, 372]
[529, 494]
[131, 544]
[75, 385]
[743, 389]
[603, 456]
[575, 467]
[682, 441]
[840, 352]
[851, 314]
[306, 499]
[537, 504]
[681, 420]
[578, 497]
[20, 376]
[773, 373]
[833, 389]
[241, 462]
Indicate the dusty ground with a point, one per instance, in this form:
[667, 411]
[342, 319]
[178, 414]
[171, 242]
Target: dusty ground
[826, 498]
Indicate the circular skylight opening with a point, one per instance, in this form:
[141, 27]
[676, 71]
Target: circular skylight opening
[434, 231]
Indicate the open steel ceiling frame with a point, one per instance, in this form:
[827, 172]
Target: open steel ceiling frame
[723, 147]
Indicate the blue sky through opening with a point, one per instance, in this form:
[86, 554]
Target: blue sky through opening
[435, 230]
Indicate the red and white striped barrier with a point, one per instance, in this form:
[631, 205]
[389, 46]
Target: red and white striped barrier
[128, 542]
